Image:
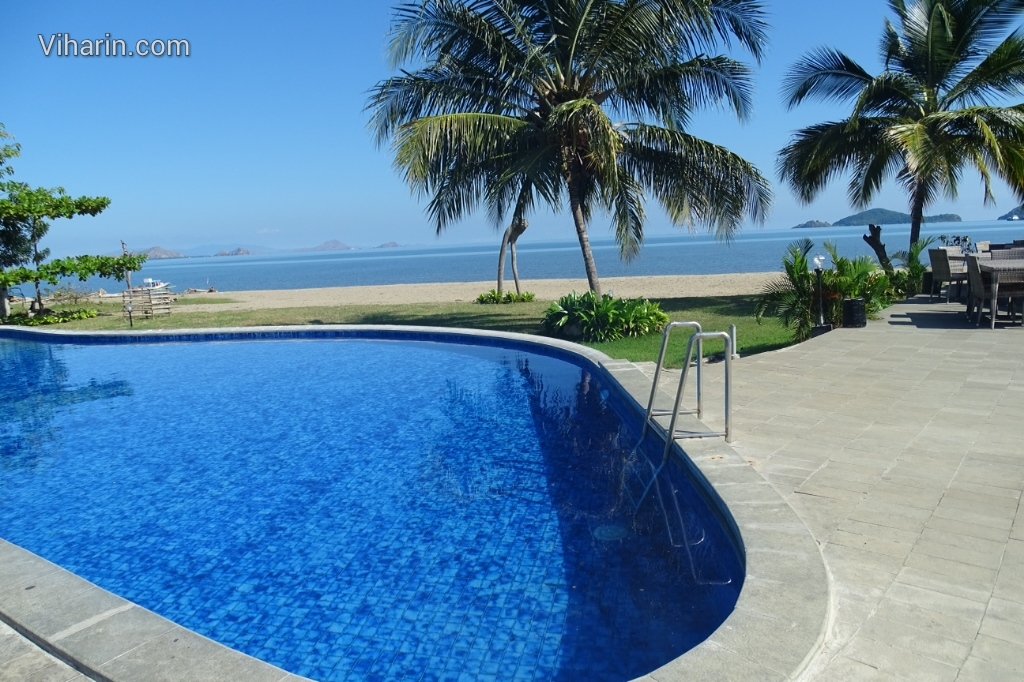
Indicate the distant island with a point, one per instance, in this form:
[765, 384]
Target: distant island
[812, 223]
[331, 245]
[389, 245]
[237, 252]
[882, 216]
[158, 253]
[1015, 214]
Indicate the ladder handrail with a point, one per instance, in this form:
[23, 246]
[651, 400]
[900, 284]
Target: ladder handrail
[670, 434]
[661, 363]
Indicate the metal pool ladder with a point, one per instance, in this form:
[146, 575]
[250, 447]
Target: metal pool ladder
[672, 434]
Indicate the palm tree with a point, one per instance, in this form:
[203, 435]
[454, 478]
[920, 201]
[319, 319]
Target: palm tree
[514, 96]
[926, 117]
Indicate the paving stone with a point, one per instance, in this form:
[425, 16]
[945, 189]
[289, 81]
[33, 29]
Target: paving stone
[950, 627]
[13, 645]
[871, 543]
[114, 636]
[836, 555]
[969, 529]
[844, 669]
[986, 495]
[880, 532]
[928, 644]
[1006, 654]
[958, 514]
[987, 559]
[943, 576]
[964, 541]
[977, 669]
[903, 664]
[1004, 620]
[35, 665]
[825, 477]
[165, 658]
[886, 520]
[812, 489]
[937, 601]
[822, 515]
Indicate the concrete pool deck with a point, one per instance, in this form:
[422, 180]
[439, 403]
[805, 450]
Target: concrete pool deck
[892, 450]
[901, 447]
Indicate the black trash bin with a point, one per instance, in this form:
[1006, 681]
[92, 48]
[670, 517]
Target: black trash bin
[854, 313]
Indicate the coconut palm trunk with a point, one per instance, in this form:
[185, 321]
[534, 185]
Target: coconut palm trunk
[508, 245]
[581, 233]
[917, 214]
[515, 262]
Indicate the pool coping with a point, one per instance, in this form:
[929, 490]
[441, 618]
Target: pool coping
[778, 623]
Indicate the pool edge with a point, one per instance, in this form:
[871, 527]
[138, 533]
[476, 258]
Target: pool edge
[780, 618]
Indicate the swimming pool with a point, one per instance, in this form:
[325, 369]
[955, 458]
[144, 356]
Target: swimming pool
[357, 509]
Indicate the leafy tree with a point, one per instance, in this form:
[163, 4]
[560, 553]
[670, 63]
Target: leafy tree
[25, 213]
[926, 117]
[15, 248]
[28, 210]
[519, 101]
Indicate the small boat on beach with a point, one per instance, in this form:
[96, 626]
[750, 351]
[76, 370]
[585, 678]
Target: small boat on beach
[148, 284]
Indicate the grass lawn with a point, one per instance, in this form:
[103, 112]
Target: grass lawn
[713, 313]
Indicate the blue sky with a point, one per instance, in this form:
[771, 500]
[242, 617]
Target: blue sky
[259, 137]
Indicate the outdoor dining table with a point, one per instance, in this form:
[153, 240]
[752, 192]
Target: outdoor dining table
[1005, 271]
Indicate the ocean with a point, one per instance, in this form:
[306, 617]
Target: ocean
[682, 254]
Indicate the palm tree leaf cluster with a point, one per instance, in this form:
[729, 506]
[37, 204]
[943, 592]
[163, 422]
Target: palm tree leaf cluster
[512, 103]
[927, 118]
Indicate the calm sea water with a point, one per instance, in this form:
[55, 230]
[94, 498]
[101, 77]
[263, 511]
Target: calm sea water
[753, 251]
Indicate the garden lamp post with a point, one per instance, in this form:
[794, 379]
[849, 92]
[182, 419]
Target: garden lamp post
[818, 260]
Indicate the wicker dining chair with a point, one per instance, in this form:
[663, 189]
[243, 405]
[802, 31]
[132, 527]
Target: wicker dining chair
[980, 292]
[943, 271]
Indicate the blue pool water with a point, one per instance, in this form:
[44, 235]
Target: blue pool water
[362, 510]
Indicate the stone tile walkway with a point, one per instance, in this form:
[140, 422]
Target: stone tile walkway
[22, 661]
[901, 446]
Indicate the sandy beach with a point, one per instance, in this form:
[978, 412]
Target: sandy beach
[662, 286]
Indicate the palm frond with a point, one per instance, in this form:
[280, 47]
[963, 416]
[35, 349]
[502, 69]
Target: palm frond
[823, 74]
[1000, 74]
[697, 182]
[628, 215]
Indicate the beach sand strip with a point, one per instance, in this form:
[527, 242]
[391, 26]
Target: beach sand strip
[660, 286]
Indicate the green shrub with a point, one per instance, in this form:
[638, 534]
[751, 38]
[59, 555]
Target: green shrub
[909, 284]
[524, 297]
[492, 297]
[51, 317]
[589, 317]
[854, 278]
[794, 297]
